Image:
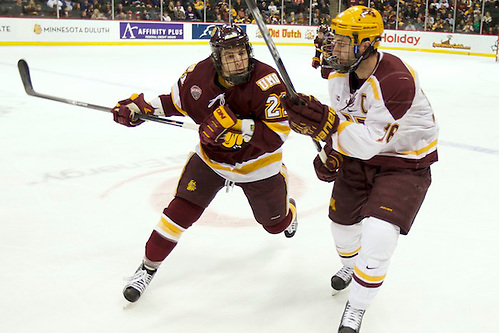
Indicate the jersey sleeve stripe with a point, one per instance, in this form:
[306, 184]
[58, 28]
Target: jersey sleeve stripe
[176, 99]
[280, 127]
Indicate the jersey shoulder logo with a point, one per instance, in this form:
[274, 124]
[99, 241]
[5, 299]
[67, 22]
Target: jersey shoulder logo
[268, 81]
[187, 71]
[196, 92]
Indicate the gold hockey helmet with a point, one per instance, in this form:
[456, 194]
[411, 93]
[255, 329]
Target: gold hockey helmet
[359, 23]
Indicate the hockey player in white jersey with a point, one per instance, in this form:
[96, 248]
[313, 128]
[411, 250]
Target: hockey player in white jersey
[381, 138]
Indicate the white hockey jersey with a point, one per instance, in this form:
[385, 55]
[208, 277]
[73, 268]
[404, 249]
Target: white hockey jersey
[385, 120]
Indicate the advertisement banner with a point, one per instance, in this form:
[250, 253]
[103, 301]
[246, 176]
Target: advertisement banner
[437, 42]
[45, 31]
[284, 34]
[203, 31]
[146, 30]
[67, 30]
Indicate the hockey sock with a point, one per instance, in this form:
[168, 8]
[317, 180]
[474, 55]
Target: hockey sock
[347, 241]
[379, 240]
[177, 217]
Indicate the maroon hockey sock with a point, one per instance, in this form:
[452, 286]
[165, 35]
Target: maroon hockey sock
[181, 212]
[158, 247]
[279, 227]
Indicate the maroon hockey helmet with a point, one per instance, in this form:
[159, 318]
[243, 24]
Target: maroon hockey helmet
[323, 28]
[229, 36]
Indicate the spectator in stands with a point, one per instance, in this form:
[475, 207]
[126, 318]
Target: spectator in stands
[419, 24]
[166, 17]
[120, 15]
[291, 18]
[410, 26]
[96, 15]
[272, 8]
[190, 15]
[170, 9]
[301, 19]
[487, 21]
[199, 9]
[468, 27]
[32, 9]
[219, 18]
[17, 9]
[84, 14]
[179, 11]
[241, 17]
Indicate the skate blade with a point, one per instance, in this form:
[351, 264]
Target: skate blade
[335, 292]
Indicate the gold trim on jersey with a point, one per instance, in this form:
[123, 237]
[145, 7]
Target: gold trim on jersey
[411, 71]
[422, 150]
[343, 125]
[247, 168]
[175, 95]
[366, 277]
[374, 86]
[278, 127]
[334, 74]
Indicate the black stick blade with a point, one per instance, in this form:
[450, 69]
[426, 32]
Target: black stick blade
[22, 65]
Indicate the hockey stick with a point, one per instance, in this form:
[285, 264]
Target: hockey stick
[22, 65]
[278, 61]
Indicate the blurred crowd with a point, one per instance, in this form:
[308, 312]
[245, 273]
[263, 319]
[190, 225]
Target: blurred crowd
[463, 16]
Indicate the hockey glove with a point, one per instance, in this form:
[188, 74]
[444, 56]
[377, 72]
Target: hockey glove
[328, 171]
[310, 117]
[316, 62]
[213, 128]
[125, 111]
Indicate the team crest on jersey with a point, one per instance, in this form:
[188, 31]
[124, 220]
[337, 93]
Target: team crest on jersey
[196, 92]
[191, 186]
[268, 81]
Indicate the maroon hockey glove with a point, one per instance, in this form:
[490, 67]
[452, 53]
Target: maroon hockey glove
[125, 111]
[328, 171]
[213, 128]
[316, 62]
[310, 117]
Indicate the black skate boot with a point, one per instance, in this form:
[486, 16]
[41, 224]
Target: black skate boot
[138, 283]
[341, 279]
[351, 319]
[290, 231]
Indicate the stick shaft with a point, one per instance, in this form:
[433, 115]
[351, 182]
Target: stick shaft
[277, 58]
[23, 67]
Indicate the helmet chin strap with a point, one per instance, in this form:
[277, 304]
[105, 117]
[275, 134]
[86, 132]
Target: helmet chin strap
[370, 50]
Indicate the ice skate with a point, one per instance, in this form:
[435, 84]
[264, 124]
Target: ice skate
[351, 319]
[341, 279]
[138, 283]
[290, 231]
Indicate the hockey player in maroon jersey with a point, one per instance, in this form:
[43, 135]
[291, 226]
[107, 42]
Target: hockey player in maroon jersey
[322, 30]
[381, 139]
[235, 99]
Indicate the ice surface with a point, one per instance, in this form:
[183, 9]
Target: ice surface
[80, 195]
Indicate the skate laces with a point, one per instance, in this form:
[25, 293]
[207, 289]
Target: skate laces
[140, 280]
[292, 226]
[345, 273]
[352, 317]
